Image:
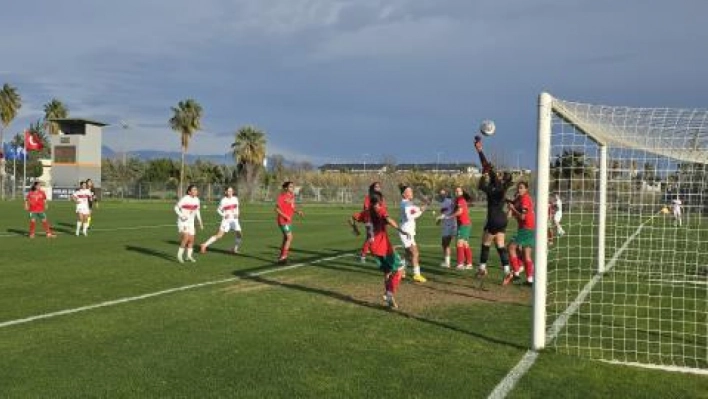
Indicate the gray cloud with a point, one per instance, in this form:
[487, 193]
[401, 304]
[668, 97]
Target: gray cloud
[334, 79]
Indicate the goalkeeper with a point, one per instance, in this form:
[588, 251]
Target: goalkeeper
[495, 185]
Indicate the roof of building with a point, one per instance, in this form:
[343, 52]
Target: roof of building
[79, 120]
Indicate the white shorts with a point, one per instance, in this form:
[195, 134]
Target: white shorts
[186, 226]
[230, 224]
[557, 217]
[83, 210]
[449, 229]
[407, 242]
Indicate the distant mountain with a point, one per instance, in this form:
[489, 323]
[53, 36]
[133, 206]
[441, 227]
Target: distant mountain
[147, 155]
[107, 152]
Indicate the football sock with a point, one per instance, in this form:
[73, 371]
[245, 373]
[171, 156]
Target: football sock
[529, 269]
[504, 257]
[515, 263]
[460, 255]
[484, 254]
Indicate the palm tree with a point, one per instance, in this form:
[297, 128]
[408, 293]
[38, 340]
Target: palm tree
[186, 120]
[54, 109]
[249, 151]
[10, 104]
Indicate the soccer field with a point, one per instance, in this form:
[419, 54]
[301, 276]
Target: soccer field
[114, 315]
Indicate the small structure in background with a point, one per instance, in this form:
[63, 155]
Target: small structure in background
[76, 155]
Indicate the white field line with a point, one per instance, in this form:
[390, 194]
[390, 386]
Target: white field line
[160, 293]
[154, 226]
[681, 282]
[678, 369]
[509, 382]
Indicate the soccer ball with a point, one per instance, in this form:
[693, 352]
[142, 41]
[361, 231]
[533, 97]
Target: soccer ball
[487, 128]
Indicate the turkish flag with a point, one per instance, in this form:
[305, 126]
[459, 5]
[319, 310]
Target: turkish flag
[32, 142]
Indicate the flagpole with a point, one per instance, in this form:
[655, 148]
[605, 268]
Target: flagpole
[14, 176]
[24, 172]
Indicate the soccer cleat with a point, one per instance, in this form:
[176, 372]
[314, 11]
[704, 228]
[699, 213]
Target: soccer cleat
[51, 235]
[418, 278]
[31, 236]
[202, 249]
[469, 267]
[236, 249]
[508, 279]
[482, 273]
[391, 302]
[189, 258]
[460, 267]
[282, 261]
[180, 260]
[445, 265]
[362, 259]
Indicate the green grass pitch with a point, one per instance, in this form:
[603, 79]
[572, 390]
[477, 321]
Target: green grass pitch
[316, 330]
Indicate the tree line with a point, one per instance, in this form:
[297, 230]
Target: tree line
[248, 148]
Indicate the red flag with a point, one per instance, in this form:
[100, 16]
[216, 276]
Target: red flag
[32, 142]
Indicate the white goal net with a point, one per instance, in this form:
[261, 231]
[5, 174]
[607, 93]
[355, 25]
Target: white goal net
[625, 276]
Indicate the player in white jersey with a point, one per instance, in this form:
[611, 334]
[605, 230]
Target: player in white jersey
[229, 211]
[449, 225]
[676, 207]
[81, 197]
[557, 206]
[408, 214]
[187, 210]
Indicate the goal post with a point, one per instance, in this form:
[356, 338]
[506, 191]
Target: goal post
[623, 276]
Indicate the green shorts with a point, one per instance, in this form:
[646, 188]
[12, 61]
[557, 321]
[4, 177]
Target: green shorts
[38, 215]
[389, 263]
[286, 228]
[463, 232]
[525, 238]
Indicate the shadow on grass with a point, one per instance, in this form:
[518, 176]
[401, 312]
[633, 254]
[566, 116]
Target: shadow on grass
[359, 302]
[241, 254]
[152, 252]
[313, 260]
[18, 232]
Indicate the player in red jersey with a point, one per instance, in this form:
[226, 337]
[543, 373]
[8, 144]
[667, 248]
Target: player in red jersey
[285, 209]
[365, 218]
[388, 260]
[522, 209]
[464, 228]
[36, 205]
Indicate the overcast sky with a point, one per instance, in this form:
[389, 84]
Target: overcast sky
[349, 80]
